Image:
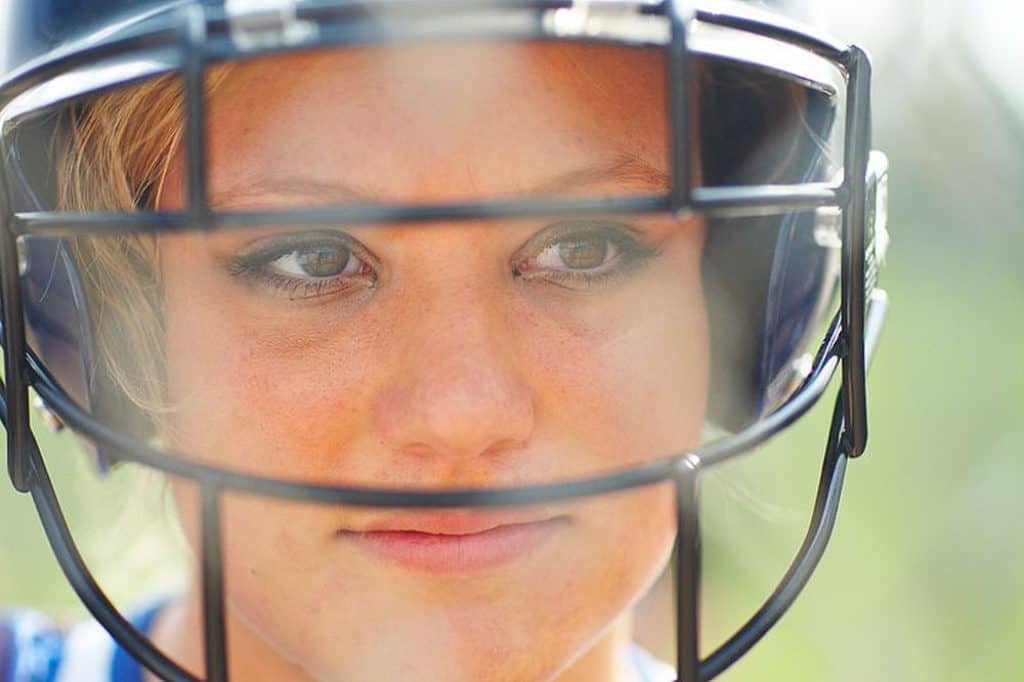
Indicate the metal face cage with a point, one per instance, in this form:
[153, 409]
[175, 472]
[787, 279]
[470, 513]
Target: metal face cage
[187, 37]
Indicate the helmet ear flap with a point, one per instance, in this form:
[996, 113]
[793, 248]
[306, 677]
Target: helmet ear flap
[804, 272]
[766, 278]
[735, 271]
[801, 283]
[57, 316]
[768, 283]
[57, 324]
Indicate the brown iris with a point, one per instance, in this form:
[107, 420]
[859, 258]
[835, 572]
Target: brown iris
[322, 260]
[581, 253]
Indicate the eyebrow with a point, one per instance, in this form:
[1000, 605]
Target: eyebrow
[628, 170]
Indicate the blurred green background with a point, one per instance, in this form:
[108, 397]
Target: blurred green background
[923, 579]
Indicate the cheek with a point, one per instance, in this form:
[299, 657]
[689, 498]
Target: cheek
[632, 382]
[252, 391]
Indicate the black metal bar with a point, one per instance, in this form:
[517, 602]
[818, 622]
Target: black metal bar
[194, 72]
[688, 570]
[646, 474]
[66, 224]
[729, 202]
[858, 147]
[128, 449]
[712, 201]
[649, 473]
[215, 634]
[85, 586]
[19, 434]
[826, 507]
[58, 223]
[790, 33]
[679, 88]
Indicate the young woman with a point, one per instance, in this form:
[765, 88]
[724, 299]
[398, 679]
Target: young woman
[441, 262]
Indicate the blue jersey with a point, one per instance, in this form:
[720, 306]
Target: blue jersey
[32, 649]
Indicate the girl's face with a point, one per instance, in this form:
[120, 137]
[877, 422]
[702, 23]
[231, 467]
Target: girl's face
[439, 355]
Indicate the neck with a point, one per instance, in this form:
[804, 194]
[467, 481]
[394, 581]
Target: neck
[604, 661]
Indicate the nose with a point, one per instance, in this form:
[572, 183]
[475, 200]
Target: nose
[456, 391]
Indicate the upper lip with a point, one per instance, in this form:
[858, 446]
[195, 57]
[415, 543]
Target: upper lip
[452, 523]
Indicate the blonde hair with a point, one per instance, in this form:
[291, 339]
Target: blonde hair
[114, 154]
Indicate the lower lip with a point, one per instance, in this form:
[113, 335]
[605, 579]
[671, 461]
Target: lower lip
[437, 553]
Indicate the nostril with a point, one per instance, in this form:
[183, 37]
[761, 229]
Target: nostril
[494, 449]
[504, 446]
[418, 449]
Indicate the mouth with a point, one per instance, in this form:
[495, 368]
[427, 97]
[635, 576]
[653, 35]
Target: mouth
[455, 543]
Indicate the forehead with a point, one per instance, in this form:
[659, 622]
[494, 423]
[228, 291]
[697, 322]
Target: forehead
[434, 119]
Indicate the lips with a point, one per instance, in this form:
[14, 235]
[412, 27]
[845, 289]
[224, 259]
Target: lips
[456, 543]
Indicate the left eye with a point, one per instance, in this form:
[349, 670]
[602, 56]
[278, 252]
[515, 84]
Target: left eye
[317, 261]
[577, 253]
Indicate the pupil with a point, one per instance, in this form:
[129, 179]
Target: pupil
[582, 253]
[322, 261]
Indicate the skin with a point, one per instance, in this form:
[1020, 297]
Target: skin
[457, 355]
